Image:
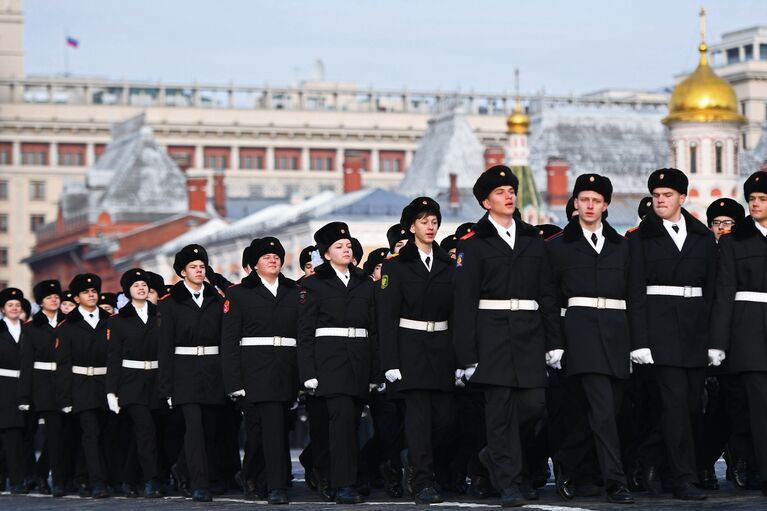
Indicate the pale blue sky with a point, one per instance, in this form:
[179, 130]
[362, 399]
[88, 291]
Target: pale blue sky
[560, 45]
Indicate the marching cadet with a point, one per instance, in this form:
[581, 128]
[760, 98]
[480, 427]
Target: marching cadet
[449, 244]
[357, 252]
[722, 215]
[259, 357]
[189, 363]
[414, 308]
[68, 302]
[335, 348]
[397, 236]
[11, 418]
[132, 371]
[156, 286]
[507, 320]
[37, 384]
[305, 261]
[739, 329]
[671, 281]
[108, 302]
[644, 207]
[375, 262]
[81, 359]
[590, 263]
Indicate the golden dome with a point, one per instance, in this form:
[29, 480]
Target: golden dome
[703, 97]
[518, 123]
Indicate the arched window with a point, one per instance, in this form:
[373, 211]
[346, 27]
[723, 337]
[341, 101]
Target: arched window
[693, 192]
[693, 157]
[716, 192]
[719, 149]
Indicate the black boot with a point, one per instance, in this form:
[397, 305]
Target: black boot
[428, 495]
[278, 496]
[348, 495]
[152, 489]
[392, 479]
[201, 496]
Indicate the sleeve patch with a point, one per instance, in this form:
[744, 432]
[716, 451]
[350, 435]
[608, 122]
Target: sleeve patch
[384, 281]
[302, 296]
[226, 306]
[459, 260]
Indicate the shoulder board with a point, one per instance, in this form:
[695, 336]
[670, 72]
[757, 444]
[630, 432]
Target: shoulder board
[468, 235]
[389, 258]
[633, 229]
[164, 297]
[554, 236]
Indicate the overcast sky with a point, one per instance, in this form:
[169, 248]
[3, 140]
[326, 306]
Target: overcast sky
[562, 46]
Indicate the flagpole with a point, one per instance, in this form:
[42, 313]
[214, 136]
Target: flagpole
[66, 53]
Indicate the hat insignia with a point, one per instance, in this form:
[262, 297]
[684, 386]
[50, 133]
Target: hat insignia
[13, 293]
[501, 174]
[138, 273]
[424, 202]
[661, 176]
[721, 204]
[591, 179]
[88, 279]
[271, 243]
[195, 250]
[343, 231]
[756, 178]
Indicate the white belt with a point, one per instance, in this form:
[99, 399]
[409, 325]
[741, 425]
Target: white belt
[680, 291]
[513, 305]
[140, 364]
[750, 296]
[268, 341]
[196, 350]
[89, 371]
[9, 373]
[596, 303]
[425, 326]
[45, 366]
[563, 312]
[341, 332]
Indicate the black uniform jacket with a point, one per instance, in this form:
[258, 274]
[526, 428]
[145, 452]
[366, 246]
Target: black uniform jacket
[266, 373]
[596, 340]
[37, 387]
[190, 378]
[674, 328]
[408, 290]
[509, 346]
[342, 365]
[78, 344]
[740, 328]
[10, 359]
[132, 339]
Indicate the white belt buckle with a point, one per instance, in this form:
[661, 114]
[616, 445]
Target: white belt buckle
[351, 332]
[89, 371]
[687, 291]
[514, 304]
[200, 351]
[147, 365]
[277, 341]
[601, 303]
[430, 326]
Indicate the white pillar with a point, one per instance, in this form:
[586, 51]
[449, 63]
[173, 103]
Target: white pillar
[339, 160]
[16, 152]
[375, 162]
[234, 164]
[198, 157]
[53, 151]
[304, 165]
[90, 154]
[269, 163]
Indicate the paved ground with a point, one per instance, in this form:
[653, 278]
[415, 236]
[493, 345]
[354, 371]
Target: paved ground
[727, 498]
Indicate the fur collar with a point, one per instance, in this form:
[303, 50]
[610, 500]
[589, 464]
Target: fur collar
[129, 311]
[745, 229]
[652, 225]
[484, 229]
[75, 316]
[252, 281]
[410, 253]
[573, 232]
[180, 293]
[40, 319]
[325, 271]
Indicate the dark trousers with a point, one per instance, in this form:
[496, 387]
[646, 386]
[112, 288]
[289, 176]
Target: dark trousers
[93, 426]
[681, 398]
[265, 430]
[572, 442]
[727, 422]
[388, 418]
[429, 417]
[54, 446]
[145, 435]
[13, 446]
[316, 455]
[507, 410]
[343, 414]
[604, 395]
[756, 388]
[200, 421]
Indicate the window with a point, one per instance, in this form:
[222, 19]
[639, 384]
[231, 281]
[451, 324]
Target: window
[718, 151]
[247, 162]
[3, 222]
[742, 108]
[693, 158]
[71, 159]
[733, 55]
[36, 221]
[33, 158]
[3, 256]
[259, 162]
[37, 190]
[748, 52]
[6, 153]
[3, 284]
[215, 162]
[3, 190]
[763, 52]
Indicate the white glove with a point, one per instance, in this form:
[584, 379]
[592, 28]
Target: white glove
[112, 402]
[67, 409]
[469, 372]
[393, 375]
[554, 358]
[234, 396]
[715, 357]
[372, 387]
[24, 408]
[642, 356]
[458, 375]
[170, 402]
[311, 384]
